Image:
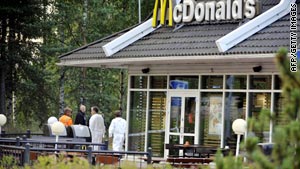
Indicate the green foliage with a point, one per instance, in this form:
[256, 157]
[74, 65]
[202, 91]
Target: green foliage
[259, 124]
[229, 162]
[21, 62]
[64, 162]
[84, 24]
[30, 66]
[61, 162]
[8, 162]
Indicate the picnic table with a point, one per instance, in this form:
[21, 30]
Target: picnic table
[193, 155]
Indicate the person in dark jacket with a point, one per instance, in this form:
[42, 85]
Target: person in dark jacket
[80, 116]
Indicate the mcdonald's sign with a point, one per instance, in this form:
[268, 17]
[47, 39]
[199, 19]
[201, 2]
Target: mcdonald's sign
[163, 11]
[190, 10]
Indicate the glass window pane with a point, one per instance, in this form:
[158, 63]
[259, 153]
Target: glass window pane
[175, 115]
[212, 82]
[184, 82]
[136, 142]
[139, 82]
[189, 115]
[172, 150]
[236, 82]
[235, 108]
[260, 81]
[210, 119]
[137, 119]
[158, 82]
[157, 118]
[281, 118]
[278, 83]
[257, 102]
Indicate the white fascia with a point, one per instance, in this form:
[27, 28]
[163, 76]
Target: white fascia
[160, 60]
[128, 38]
[260, 22]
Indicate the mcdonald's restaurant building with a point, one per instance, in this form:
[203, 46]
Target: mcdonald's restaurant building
[203, 65]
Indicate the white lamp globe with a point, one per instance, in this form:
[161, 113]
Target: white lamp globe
[52, 120]
[57, 128]
[239, 126]
[3, 119]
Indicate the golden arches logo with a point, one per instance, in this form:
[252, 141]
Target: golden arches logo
[163, 12]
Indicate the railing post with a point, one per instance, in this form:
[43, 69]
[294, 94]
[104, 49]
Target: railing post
[3, 133]
[24, 138]
[106, 145]
[149, 155]
[90, 154]
[18, 141]
[27, 154]
[28, 133]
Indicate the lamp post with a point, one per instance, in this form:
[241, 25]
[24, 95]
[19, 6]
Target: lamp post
[140, 17]
[52, 120]
[57, 129]
[3, 120]
[239, 127]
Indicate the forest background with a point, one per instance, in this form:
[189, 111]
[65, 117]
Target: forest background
[33, 33]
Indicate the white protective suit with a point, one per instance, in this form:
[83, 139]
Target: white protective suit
[117, 130]
[97, 127]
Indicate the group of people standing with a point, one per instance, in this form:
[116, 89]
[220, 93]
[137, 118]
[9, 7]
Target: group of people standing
[116, 130]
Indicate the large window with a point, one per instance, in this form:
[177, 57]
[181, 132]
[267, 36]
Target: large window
[158, 82]
[147, 122]
[222, 99]
[137, 120]
[257, 103]
[156, 122]
[260, 81]
[236, 82]
[210, 119]
[184, 82]
[139, 82]
[281, 119]
[235, 108]
[212, 82]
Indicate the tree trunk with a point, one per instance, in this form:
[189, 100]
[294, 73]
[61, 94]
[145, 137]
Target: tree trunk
[2, 90]
[83, 69]
[121, 89]
[61, 91]
[12, 54]
[3, 63]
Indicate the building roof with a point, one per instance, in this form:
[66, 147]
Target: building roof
[194, 39]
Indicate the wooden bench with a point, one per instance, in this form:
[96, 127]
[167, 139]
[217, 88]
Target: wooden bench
[188, 162]
[33, 155]
[107, 159]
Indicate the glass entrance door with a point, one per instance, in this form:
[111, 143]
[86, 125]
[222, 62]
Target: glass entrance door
[182, 120]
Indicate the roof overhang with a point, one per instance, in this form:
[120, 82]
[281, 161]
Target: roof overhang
[127, 62]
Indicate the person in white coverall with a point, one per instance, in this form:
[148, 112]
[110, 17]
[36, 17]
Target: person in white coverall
[117, 130]
[97, 127]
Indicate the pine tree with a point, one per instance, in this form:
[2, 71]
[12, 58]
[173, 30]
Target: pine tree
[20, 65]
[286, 152]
